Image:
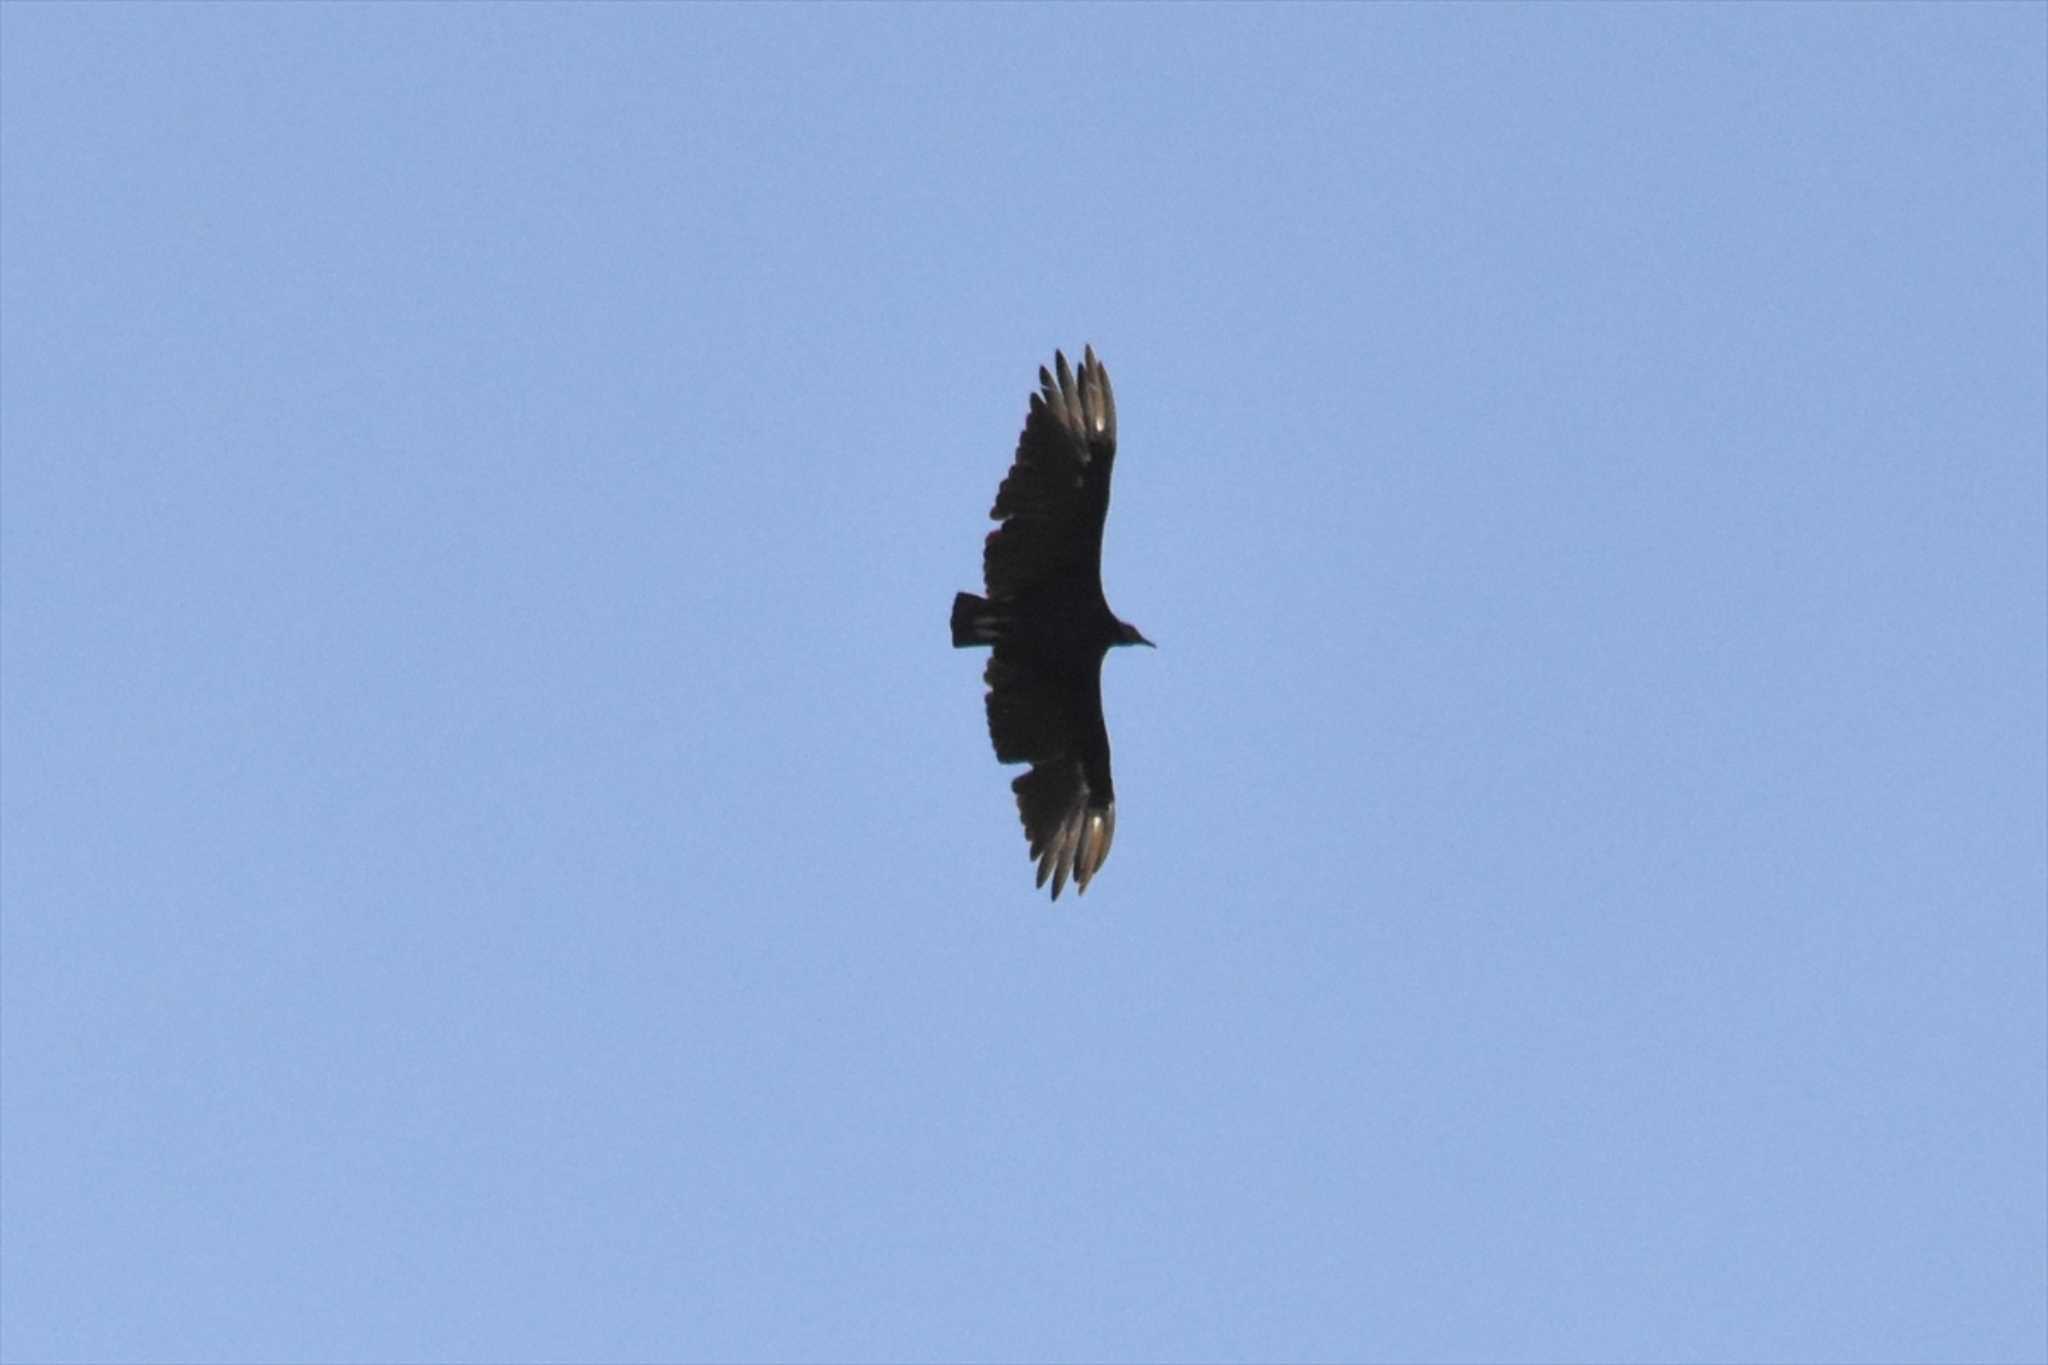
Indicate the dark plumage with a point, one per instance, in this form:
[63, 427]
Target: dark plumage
[1046, 617]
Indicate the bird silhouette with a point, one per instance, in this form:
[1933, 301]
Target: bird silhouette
[1048, 623]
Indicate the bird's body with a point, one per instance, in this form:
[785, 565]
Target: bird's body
[1048, 622]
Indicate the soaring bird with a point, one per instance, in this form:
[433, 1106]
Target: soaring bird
[1049, 625]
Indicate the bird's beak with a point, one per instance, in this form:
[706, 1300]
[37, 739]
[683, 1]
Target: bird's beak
[1147, 643]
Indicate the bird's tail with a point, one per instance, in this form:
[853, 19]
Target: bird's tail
[973, 622]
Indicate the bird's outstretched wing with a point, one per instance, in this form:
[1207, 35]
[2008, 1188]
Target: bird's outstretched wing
[1053, 500]
[1067, 801]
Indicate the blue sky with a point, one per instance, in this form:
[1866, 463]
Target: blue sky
[501, 863]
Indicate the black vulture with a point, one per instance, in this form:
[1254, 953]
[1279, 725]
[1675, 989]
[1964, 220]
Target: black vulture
[1046, 617]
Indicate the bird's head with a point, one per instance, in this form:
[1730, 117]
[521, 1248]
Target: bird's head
[1127, 634]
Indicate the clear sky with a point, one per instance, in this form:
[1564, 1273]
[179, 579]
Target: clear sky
[500, 861]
